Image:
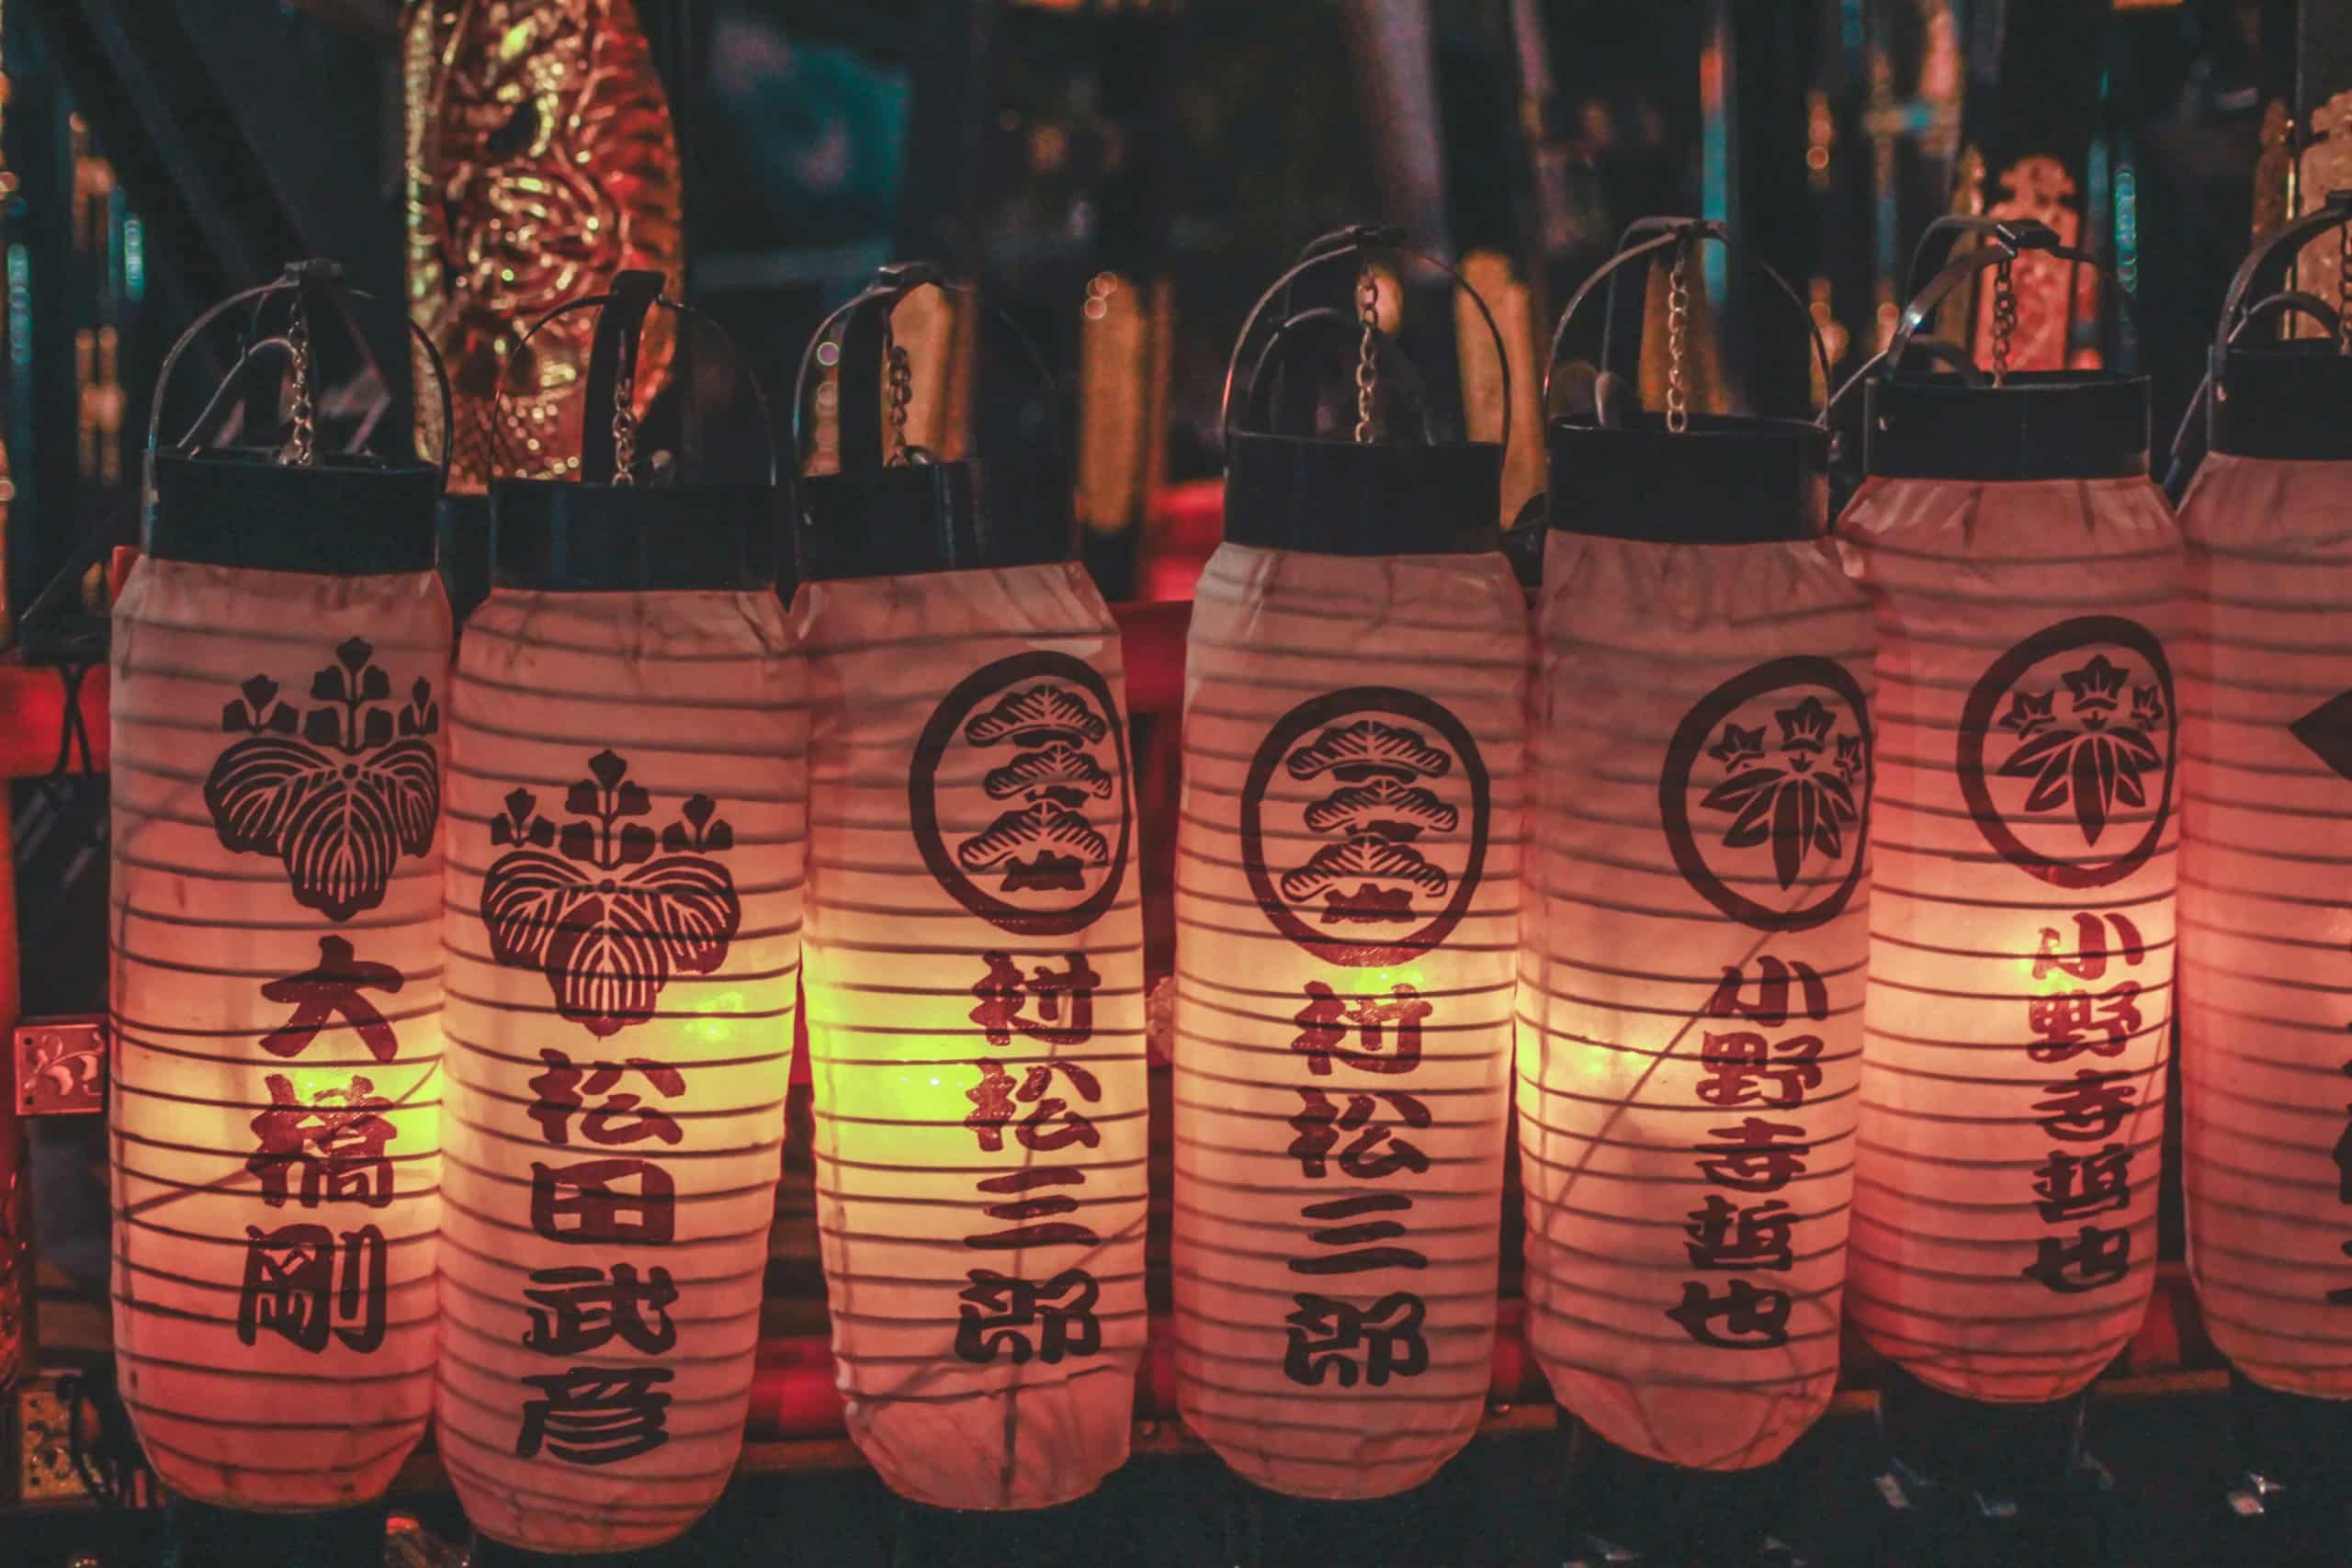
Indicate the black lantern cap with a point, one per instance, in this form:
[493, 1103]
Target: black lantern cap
[335, 515]
[2021, 425]
[919, 513]
[609, 534]
[2041, 424]
[2269, 398]
[1361, 497]
[1717, 478]
[1723, 480]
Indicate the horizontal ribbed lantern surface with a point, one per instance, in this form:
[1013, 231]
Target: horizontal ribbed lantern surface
[279, 658]
[626, 809]
[2266, 682]
[2021, 956]
[1691, 984]
[1346, 889]
[975, 972]
[1346, 902]
[974, 1003]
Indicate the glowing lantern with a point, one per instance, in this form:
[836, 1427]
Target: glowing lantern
[2026, 578]
[975, 967]
[1347, 864]
[280, 652]
[625, 818]
[1691, 949]
[2267, 678]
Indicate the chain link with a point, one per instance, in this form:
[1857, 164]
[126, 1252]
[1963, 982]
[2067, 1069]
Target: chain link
[2005, 317]
[900, 372]
[624, 427]
[304, 449]
[1367, 356]
[1677, 335]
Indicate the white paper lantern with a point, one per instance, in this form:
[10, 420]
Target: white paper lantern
[279, 658]
[975, 975]
[2266, 793]
[1346, 900]
[2020, 988]
[626, 809]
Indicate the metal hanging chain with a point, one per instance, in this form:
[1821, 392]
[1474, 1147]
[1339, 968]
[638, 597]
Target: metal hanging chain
[1367, 356]
[1677, 337]
[304, 449]
[2005, 317]
[901, 381]
[624, 425]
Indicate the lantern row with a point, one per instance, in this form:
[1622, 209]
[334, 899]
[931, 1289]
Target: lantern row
[1811, 901]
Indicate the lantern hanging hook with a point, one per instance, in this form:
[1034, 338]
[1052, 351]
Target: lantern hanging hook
[889, 284]
[324, 277]
[614, 353]
[1647, 237]
[2004, 240]
[1358, 240]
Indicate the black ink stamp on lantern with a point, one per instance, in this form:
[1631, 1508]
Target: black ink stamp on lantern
[1407, 810]
[2068, 731]
[1783, 780]
[1024, 766]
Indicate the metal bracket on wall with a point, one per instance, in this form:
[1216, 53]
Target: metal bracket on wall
[61, 1066]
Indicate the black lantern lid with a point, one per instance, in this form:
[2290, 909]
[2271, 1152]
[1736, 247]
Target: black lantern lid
[915, 512]
[608, 532]
[292, 509]
[1361, 497]
[2273, 398]
[1724, 479]
[1673, 479]
[1960, 424]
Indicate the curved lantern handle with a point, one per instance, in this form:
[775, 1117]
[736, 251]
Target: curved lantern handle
[1358, 240]
[2005, 241]
[317, 276]
[612, 356]
[2277, 249]
[863, 314]
[1257, 391]
[1646, 236]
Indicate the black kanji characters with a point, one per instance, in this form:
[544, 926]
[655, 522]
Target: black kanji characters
[2092, 1258]
[307, 1285]
[1741, 1068]
[2074, 1187]
[1376, 1150]
[1000, 1314]
[1344, 1342]
[1327, 1020]
[331, 991]
[335, 1145]
[620, 1119]
[1065, 1001]
[577, 1310]
[1724, 1235]
[1752, 1319]
[595, 1416]
[590, 1202]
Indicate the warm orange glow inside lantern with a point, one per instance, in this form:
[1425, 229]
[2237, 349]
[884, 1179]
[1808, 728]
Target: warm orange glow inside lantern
[2027, 579]
[1346, 895]
[280, 659]
[627, 806]
[975, 966]
[2266, 793]
[1695, 926]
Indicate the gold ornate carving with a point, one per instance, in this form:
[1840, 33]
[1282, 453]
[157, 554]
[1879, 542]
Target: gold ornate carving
[2327, 165]
[541, 161]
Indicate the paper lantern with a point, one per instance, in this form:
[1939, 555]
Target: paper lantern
[975, 968]
[1694, 929]
[2266, 791]
[627, 804]
[1346, 894]
[2028, 580]
[279, 663]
